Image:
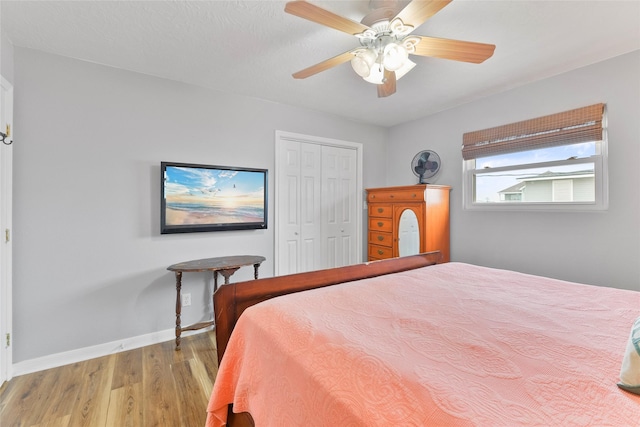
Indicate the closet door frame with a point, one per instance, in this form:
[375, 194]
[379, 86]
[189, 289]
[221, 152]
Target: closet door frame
[281, 138]
[6, 225]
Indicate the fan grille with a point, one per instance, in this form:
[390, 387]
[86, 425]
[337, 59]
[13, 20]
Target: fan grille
[426, 164]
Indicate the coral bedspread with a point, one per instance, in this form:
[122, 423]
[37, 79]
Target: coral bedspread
[451, 344]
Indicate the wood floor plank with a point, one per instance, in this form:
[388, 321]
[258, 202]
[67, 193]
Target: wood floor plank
[199, 372]
[64, 393]
[150, 386]
[92, 402]
[125, 406]
[8, 390]
[128, 369]
[204, 350]
[193, 409]
[55, 422]
[159, 387]
[32, 393]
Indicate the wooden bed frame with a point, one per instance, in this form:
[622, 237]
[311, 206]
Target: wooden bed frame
[230, 301]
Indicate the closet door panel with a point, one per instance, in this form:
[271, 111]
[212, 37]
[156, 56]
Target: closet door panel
[310, 202]
[339, 206]
[299, 225]
[289, 208]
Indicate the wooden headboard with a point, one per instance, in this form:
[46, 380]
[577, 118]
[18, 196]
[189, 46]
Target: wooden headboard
[230, 301]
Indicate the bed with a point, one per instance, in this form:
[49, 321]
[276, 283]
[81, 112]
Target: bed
[406, 342]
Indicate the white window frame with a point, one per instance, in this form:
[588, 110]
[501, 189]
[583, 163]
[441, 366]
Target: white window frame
[601, 178]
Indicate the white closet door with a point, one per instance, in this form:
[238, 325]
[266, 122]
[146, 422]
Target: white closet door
[339, 206]
[310, 204]
[318, 183]
[298, 207]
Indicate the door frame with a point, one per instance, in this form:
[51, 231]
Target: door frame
[280, 138]
[6, 197]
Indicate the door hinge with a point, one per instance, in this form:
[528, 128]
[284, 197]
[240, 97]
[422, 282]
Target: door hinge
[8, 340]
[7, 235]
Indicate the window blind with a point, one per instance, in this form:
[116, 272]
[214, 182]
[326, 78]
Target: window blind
[569, 127]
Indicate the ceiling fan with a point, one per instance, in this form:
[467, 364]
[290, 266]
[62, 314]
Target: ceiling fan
[386, 41]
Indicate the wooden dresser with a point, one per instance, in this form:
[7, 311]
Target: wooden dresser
[429, 203]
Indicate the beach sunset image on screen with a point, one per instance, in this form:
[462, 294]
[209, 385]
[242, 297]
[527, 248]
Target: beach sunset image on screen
[202, 195]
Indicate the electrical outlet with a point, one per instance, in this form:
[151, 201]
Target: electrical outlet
[186, 300]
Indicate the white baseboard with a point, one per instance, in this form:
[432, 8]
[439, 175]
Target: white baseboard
[86, 353]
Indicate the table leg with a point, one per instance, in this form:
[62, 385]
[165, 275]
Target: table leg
[178, 308]
[215, 288]
[227, 272]
[255, 271]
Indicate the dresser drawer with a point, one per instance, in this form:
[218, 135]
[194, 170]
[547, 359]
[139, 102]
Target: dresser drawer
[397, 195]
[380, 238]
[380, 224]
[380, 211]
[379, 252]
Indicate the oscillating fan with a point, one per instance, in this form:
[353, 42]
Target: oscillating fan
[425, 165]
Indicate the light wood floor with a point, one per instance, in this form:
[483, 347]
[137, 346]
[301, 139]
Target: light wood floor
[149, 386]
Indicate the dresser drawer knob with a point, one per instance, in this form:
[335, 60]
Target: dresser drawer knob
[380, 210]
[380, 223]
[380, 252]
[381, 238]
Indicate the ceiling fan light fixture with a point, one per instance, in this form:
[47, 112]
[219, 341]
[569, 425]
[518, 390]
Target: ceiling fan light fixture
[363, 61]
[394, 56]
[376, 76]
[406, 67]
[377, 72]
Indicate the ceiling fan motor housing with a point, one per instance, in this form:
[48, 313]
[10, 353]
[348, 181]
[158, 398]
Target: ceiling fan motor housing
[383, 10]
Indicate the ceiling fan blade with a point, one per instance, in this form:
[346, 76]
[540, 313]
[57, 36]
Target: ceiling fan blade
[389, 86]
[456, 50]
[418, 11]
[321, 16]
[323, 66]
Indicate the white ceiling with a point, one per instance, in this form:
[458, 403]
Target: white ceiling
[253, 47]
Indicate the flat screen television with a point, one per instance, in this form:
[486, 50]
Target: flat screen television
[198, 198]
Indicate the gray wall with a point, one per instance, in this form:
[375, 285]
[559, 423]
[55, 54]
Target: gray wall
[6, 57]
[596, 248]
[90, 264]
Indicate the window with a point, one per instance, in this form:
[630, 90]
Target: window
[555, 162]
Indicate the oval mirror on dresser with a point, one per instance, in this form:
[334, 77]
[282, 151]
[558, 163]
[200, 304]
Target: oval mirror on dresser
[408, 233]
